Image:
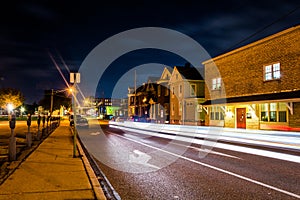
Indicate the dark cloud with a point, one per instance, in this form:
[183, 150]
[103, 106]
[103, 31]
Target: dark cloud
[71, 29]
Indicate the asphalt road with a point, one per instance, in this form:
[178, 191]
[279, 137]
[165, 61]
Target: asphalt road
[140, 167]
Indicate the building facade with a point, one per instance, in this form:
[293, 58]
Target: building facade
[187, 93]
[161, 111]
[256, 86]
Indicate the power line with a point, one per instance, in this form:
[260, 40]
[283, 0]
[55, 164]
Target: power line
[264, 28]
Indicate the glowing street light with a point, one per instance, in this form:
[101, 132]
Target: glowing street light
[10, 107]
[22, 110]
[54, 92]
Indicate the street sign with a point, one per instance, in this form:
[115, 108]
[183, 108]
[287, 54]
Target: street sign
[74, 77]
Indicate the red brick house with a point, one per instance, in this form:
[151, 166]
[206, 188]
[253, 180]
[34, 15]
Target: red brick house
[256, 86]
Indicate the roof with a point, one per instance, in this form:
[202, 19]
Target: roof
[189, 72]
[280, 96]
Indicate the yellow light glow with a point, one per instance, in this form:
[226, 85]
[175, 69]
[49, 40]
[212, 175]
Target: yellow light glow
[10, 107]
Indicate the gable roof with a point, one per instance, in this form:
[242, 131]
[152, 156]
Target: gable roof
[189, 72]
[166, 74]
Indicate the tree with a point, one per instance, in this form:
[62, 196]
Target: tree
[59, 99]
[11, 96]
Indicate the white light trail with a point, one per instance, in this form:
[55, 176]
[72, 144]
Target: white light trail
[215, 168]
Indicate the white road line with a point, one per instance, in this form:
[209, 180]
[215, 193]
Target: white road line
[214, 168]
[209, 151]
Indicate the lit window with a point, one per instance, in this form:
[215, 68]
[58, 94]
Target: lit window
[216, 113]
[264, 112]
[216, 83]
[272, 72]
[282, 109]
[273, 112]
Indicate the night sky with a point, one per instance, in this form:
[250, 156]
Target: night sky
[31, 31]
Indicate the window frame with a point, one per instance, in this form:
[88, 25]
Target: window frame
[266, 114]
[272, 71]
[216, 83]
[192, 91]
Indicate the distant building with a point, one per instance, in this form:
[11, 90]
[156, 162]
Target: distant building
[258, 85]
[105, 107]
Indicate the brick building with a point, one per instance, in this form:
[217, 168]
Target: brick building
[256, 86]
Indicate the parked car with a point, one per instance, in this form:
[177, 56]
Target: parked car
[140, 119]
[82, 122]
[71, 119]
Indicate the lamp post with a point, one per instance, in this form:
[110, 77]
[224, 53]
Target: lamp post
[52, 94]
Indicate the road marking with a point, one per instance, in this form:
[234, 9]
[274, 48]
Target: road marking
[214, 168]
[96, 133]
[209, 151]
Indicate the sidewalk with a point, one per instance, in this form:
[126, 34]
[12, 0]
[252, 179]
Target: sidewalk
[51, 172]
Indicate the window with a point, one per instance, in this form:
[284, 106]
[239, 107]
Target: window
[272, 72]
[193, 90]
[216, 83]
[173, 109]
[273, 112]
[180, 90]
[264, 116]
[216, 113]
[173, 91]
[158, 90]
[282, 112]
[166, 91]
[180, 108]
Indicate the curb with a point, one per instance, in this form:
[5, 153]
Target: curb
[99, 194]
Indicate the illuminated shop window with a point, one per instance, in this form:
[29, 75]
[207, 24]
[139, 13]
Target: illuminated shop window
[282, 109]
[273, 112]
[273, 108]
[264, 114]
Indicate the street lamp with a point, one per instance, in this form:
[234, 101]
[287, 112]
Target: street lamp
[55, 92]
[10, 108]
[22, 111]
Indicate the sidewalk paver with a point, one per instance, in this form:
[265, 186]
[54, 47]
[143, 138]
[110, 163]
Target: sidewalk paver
[50, 172]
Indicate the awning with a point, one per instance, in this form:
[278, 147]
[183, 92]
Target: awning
[280, 96]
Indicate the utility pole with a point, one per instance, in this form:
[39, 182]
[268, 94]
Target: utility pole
[74, 78]
[51, 106]
[134, 93]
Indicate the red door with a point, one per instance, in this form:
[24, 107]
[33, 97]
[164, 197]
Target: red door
[241, 117]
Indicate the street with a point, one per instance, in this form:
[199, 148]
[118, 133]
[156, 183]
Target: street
[149, 167]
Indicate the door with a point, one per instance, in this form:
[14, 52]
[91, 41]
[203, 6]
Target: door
[241, 117]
